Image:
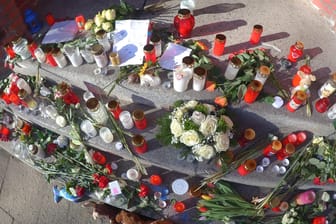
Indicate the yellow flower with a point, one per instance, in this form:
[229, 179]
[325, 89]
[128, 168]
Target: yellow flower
[201, 45]
[143, 69]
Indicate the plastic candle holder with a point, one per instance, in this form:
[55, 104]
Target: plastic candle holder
[272, 148]
[114, 108]
[139, 144]
[139, 119]
[149, 51]
[295, 51]
[296, 101]
[253, 91]
[256, 34]
[80, 21]
[319, 220]
[219, 44]
[155, 180]
[179, 207]
[322, 105]
[286, 151]
[247, 136]
[184, 23]
[247, 167]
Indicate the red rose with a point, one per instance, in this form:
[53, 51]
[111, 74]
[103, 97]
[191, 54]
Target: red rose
[96, 177]
[70, 98]
[14, 99]
[14, 89]
[331, 180]
[316, 181]
[103, 182]
[80, 191]
[203, 209]
[51, 148]
[144, 191]
[108, 168]
[99, 158]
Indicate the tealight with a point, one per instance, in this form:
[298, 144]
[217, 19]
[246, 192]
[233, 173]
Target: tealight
[278, 102]
[133, 174]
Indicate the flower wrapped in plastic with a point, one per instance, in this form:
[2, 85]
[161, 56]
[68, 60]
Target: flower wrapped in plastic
[199, 127]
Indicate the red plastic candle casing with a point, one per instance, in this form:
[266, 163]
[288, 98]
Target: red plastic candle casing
[114, 108]
[256, 34]
[295, 51]
[286, 151]
[247, 136]
[139, 144]
[9, 50]
[184, 23]
[50, 19]
[272, 148]
[297, 100]
[49, 58]
[247, 167]
[32, 46]
[253, 91]
[319, 220]
[179, 206]
[219, 45]
[80, 21]
[322, 105]
[155, 180]
[139, 119]
[149, 51]
[304, 70]
[306, 197]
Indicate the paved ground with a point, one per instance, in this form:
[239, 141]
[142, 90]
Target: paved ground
[25, 197]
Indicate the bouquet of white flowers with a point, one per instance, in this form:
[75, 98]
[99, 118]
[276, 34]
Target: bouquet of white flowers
[197, 126]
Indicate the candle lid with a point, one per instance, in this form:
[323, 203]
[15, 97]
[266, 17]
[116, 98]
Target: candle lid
[92, 104]
[200, 71]
[333, 77]
[256, 85]
[148, 47]
[113, 104]
[299, 45]
[138, 115]
[138, 140]
[249, 134]
[301, 95]
[188, 60]
[155, 38]
[276, 145]
[221, 37]
[265, 70]
[22, 93]
[100, 34]
[236, 61]
[250, 164]
[97, 49]
[180, 186]
[184, 12]
[290, 148]
[258, 28]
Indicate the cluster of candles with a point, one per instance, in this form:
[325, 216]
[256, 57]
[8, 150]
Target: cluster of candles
[281, 149]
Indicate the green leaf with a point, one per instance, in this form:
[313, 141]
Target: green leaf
[314, 161]
[241, 91]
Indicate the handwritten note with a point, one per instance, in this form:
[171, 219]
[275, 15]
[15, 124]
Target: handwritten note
[173, 56]
[130, 36]
[115, 188]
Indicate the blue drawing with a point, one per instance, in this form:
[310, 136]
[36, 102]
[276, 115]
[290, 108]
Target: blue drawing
[62, 193]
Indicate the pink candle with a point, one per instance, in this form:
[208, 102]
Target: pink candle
[306, 197]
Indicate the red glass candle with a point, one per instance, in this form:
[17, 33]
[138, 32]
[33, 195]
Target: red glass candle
[9, 50]
[319, 220]
[155, 180]
[253, 91]
[322, 105]
[295, 51]
[305, 198]
[179, 206]
[297, 100]
[114, 108]
[149, 51]
[301, 137]
[247, 136]
[139, 119]
[247, 167]
[139, 144]
[286, 151]
[184, 23]
[304, 70]
[272, 148]
[256, 33]
[80, 21]
[50, 19]
[219, 45]
[32, 46]
[291, 138]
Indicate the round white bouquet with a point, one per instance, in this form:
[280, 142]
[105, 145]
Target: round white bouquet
[199, 127]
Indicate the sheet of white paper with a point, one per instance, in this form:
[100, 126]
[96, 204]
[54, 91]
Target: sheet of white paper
[130, 36]
[115, 188]
[61, 32]
[173, 56]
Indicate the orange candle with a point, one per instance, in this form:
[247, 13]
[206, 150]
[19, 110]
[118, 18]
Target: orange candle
[247, 167]
[253, 91]
[219, 44]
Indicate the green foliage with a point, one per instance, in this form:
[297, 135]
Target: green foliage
[190, 125]
[164, 135]
[221, 126]
[201, 108]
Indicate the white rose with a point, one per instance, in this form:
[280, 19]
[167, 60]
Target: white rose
[191, 104]
[88, 24]
[107, 26]
[222, 142]
[103, 13]
[98, 20]
[203, 152]
[61, 121]
[190, 138]
[176, 128]
[228, 121]
[197, 117]
[209, 126]
[110, 14]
